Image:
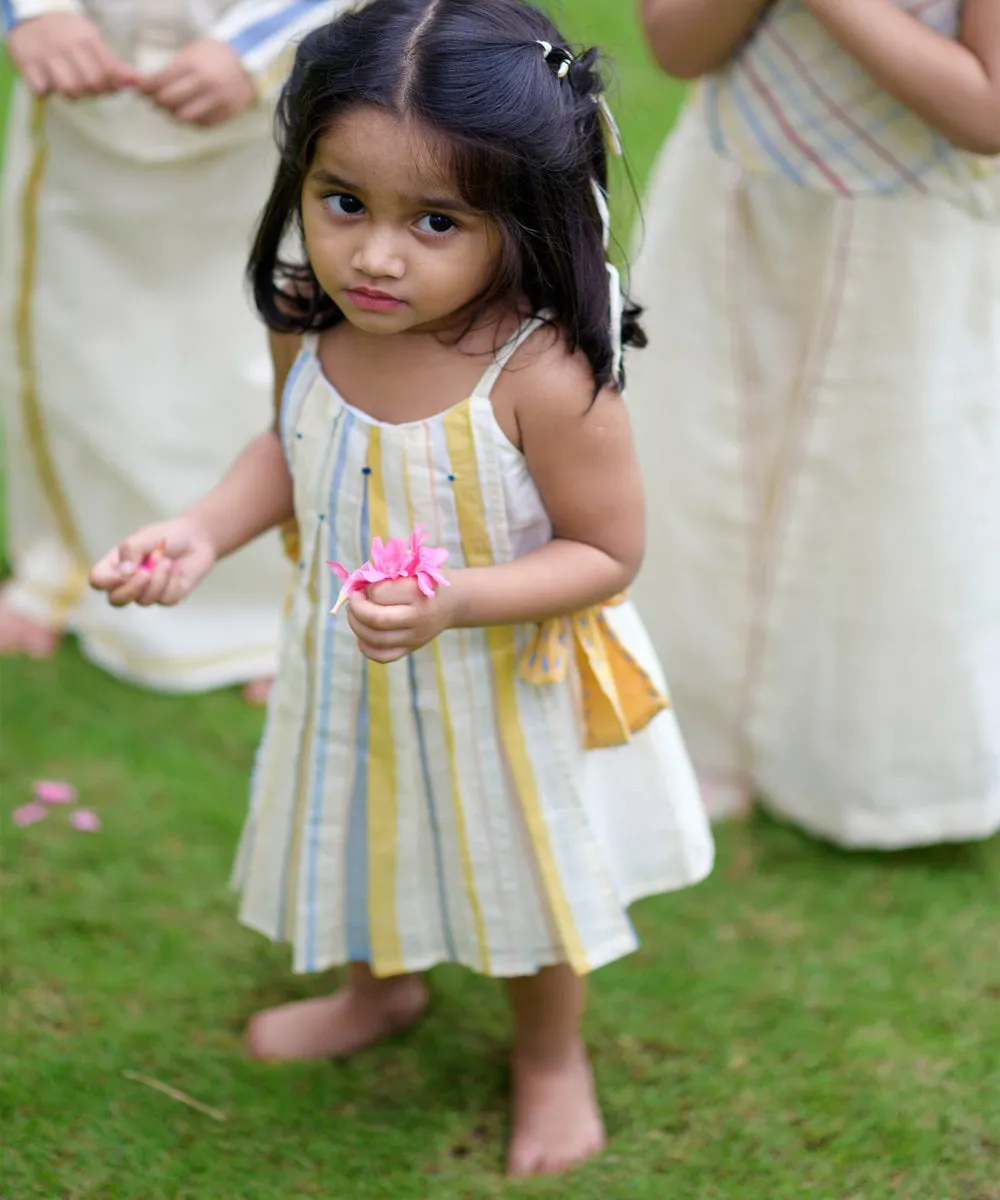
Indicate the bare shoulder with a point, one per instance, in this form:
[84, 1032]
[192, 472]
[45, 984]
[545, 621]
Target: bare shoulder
[546, 385]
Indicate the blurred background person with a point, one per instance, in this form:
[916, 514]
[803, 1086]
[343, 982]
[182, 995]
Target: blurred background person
[139, 154]
[819, 410]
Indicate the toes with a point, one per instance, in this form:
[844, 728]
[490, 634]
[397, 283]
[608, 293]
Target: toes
[532, 1159]
[524, 1160]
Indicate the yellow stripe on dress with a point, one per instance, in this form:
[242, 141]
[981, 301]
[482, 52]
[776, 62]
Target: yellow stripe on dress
[468, 871]
[460, 440]
[31, 411]
[386, 950]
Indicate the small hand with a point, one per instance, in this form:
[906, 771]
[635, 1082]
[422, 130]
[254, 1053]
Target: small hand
[204, 84]
[66, 54]
[396, 618]
[160, 564]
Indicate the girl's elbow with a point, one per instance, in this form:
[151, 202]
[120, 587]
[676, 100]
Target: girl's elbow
[682, 63]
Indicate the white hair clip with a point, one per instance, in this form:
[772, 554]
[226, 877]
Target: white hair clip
[565, 58]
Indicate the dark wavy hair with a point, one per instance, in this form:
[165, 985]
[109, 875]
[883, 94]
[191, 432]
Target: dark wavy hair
[526, 142]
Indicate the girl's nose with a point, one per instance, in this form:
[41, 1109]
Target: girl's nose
[378, 255]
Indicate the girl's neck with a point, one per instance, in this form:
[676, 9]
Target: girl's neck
[403, 377]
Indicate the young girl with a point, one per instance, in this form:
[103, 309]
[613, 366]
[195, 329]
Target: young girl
[489, 776]
[132, 370]
[820, 414]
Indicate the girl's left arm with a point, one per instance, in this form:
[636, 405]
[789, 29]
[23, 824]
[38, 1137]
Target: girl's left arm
[582, 459]
[953, 85]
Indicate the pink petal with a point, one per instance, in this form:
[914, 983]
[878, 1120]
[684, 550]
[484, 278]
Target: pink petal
[342, 573]
[54, 791]
[85, 820]
[431, 557]
[428, 581]
[370, 573]
[30, 814]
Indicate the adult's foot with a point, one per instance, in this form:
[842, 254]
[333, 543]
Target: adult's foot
[257, 691]
[21, 635]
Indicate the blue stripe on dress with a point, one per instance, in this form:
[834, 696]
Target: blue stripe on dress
[750, 116]
[356, 858]
[321, 721]
[285, 413]
[254, 35]
[8, 17]
[425, 770]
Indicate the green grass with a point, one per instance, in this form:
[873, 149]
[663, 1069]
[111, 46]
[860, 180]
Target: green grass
[807, 1023]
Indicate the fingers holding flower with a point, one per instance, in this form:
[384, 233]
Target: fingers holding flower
[394, 618]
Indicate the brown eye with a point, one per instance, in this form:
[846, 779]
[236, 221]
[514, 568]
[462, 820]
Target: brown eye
[435, 223]
[344, 203]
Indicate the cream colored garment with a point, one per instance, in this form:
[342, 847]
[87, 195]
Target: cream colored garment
[132, 369]
[819, 419]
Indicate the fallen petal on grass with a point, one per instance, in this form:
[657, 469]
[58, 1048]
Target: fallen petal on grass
[30, 814]
[55, 791]
[85, 820]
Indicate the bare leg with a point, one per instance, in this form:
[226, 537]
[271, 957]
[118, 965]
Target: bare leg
[556, 1120]
[22, 635]
[360, 1014]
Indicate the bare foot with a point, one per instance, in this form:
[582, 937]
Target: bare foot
[257, 691]
[557, 1123]
[20, 635]
[338, 1025]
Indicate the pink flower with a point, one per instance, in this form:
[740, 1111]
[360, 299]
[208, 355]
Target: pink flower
[395, 559]
[85, 820]
[53, 791]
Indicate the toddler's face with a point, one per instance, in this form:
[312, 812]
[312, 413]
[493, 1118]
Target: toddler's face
[390, 238]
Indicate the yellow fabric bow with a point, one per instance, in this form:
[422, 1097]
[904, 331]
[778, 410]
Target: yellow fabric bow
[619, 698]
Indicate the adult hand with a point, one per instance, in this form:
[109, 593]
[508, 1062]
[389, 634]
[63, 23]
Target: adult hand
[65, 53]
[204, 84]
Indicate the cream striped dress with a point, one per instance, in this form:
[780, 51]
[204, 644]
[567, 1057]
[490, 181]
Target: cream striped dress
[443, 808]
[819, 415]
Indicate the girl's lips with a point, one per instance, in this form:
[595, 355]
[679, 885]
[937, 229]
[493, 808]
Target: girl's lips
[373, 300]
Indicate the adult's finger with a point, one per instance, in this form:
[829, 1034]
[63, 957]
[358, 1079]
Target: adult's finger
[179, 90]
[151, 84]
[89, 68]
[37, 78]
[203, 109]
[65, 77]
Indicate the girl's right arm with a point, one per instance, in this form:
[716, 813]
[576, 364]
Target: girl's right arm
[690, 38]
[162, 563]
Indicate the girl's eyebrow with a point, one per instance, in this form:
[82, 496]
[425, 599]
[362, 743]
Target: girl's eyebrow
[436, 204]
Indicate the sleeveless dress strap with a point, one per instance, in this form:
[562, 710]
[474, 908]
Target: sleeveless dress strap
[503, 356]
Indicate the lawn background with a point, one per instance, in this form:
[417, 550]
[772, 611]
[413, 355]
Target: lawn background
[807, 1023]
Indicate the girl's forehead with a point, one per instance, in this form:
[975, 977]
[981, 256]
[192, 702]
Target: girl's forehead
[381, 151]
